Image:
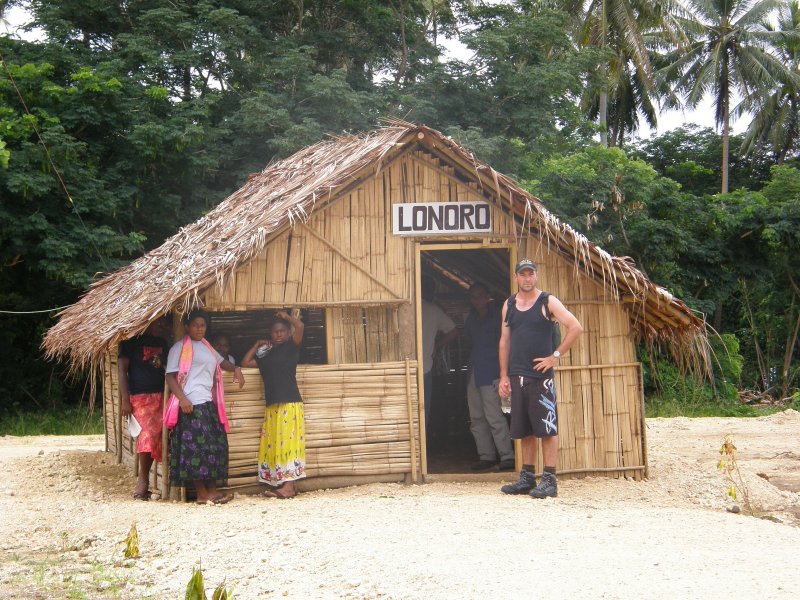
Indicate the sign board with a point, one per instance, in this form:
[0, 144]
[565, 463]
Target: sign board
[448, 218]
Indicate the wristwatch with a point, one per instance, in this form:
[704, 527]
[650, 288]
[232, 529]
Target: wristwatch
[557, 354]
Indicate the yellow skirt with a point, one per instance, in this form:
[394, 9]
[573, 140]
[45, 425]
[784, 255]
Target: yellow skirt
[282, 454]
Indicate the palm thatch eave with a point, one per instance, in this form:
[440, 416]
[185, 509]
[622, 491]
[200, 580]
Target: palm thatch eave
[207, 252]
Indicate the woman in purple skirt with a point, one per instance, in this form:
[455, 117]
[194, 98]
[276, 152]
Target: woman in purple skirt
[199, 442]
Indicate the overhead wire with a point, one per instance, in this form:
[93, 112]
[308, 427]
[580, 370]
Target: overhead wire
[32, 312]
[50, 160]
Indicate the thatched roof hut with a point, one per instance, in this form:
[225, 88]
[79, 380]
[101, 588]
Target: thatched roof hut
[315, 231]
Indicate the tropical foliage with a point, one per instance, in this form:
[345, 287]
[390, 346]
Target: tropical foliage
[122, 121]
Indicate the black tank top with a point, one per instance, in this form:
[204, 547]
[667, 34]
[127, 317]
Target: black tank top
[279, 371]
[531, 337]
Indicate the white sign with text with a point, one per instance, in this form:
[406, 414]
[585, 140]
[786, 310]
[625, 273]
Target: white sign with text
[428, 218]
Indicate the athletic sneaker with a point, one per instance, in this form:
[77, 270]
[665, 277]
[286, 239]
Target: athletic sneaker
[524, 485]
[547, 487]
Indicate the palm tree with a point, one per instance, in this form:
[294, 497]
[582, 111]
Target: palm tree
[776, 120]
[619, 27]
[629, 97]
[728, 55]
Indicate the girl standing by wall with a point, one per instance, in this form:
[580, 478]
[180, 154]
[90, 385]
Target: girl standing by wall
[282, 454]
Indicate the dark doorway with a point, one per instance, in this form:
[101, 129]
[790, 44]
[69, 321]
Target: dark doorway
[449, 442]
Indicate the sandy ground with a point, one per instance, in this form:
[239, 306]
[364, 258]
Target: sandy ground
[66, 510]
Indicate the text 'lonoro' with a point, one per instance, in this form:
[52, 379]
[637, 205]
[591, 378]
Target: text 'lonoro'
[441, 217]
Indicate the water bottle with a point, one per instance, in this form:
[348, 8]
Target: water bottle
[505, 401]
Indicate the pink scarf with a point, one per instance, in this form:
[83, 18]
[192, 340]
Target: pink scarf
[172, 408]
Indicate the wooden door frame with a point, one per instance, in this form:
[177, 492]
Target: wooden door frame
[429, 245]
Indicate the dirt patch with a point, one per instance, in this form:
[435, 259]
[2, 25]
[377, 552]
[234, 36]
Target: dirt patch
[670, 536]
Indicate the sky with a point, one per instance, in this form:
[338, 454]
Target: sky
[703, 115]
[668, 120]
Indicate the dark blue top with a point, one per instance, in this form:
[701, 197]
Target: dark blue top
[484, 335]
[531, 337]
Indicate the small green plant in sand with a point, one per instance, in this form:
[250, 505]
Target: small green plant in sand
[730, 469]
[196, 590]
[132, 542]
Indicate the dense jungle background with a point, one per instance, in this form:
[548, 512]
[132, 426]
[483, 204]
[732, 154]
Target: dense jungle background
[122, 120]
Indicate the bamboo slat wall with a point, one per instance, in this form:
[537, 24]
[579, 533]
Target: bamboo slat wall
[346, 252]
[357, 420]
[599, 383]
[346, 259]
[363, 335]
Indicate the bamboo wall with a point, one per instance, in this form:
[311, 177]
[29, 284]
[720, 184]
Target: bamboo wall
[357, 420]
[598, 384]
[360, 420]
[346, 259]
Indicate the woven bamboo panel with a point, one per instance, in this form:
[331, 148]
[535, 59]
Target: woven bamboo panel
[599, 409]
[364, 334]
[357, 419]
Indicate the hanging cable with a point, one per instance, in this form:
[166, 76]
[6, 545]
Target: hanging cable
[32, 312]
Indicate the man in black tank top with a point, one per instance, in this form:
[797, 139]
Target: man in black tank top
[527, 358]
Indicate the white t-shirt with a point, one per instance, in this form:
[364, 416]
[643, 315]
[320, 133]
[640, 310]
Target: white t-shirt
[434, 320]
[201, 375]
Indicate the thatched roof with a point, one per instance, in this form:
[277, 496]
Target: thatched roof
[209, 250]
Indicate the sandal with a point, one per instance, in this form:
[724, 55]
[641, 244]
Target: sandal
[221, 499]
[142, 495]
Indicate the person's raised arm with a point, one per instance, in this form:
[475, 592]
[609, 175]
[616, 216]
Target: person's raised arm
[298, 327]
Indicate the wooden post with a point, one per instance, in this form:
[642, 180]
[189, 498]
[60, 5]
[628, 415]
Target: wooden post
[644, 424]
[164, 448]
[512, 261]
[329, 350]
[423, 447]
[405, 314]
[108, 394]
[412, 438]
[118, 429]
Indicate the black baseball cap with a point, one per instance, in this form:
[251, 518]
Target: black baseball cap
[525, 263]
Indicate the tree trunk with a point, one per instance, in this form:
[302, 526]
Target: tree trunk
[788, 352]
[400, 14]
[602, 116]
[726, 126]
[602, 109]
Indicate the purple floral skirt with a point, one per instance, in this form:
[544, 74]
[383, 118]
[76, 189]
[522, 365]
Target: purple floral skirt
[198, 447]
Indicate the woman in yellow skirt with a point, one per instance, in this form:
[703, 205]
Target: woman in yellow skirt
[282, 454]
